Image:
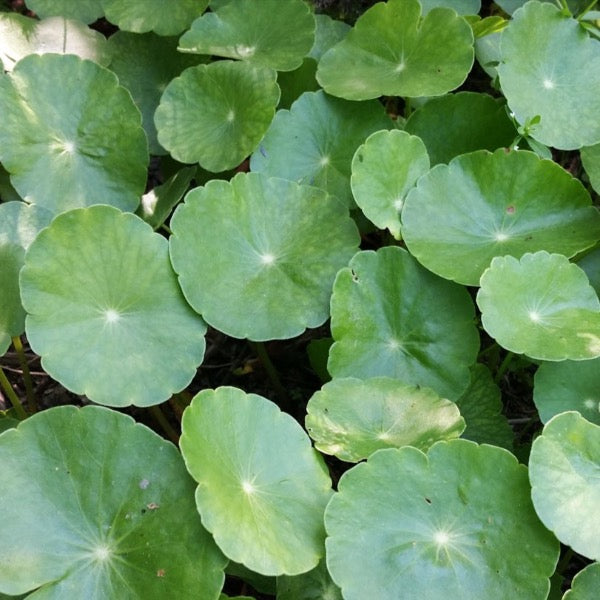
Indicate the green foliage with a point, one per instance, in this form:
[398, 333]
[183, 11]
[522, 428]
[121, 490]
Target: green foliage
[366, 208]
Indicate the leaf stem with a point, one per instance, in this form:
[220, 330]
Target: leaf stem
[564, 561]
[503, 366]
[14, 399]
[160, 418]
[265, 359]
[31, 400]
[586, 9]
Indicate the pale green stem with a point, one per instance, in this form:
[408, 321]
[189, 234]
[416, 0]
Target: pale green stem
[14, 399]
[158, 415]
[272, 373]
[31, 401]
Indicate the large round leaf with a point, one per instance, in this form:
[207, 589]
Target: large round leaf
[392, 52]
[568, 385]
[96, 506]
[216, 114]
[105, 312]
[20, 36]
[141, 16]
[260, 270]
[391, 317]
[564, 469]
[352, 419]
[585, 584]
[19, 225]
[262, 488]
[455, 523]
[483, 205]
[550, 68]
[481, 408]
[82, 10]
[315, 140]
[384, 170]
[462, 7]
[327, 34]
[455, 124]
[272, 33]
[542, 306]
[70, 136]
[145, 64]
[590, 157]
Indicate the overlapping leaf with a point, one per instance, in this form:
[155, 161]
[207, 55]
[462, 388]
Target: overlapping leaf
[455, 124]
[70, 136]
[542, 306]
[483, 205]
[541, 75]
[82, 10]
[142, 16]
[590, 157]
[384, 170]
[262, 489]
[314, 142]
[105, 312]
[391, 317]
[21, 36]
[455, 523]
[258, 269]
[563, 469]
[391, 52]
[273, 33]
[91, 502]
[352, 419]
[585, 584]
[19, 225]
[216, 114]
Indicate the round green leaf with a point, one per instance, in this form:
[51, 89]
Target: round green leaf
[542, 75]
[564, 469]
[392, 52]
[509, 6]
[262, 488]
[481, 407]
[455, 523]
[216, 114]
[273, 33]
[460, 216]
[145, 64]
[590, 158]
[314, 141]
[455, 124]
[105, 312]
[141, 16]
[391, 317]
[260, 270]
[542, 306]
[384, 170]
[96, 506]
[462, 7]
[351, 419]
[70, 136]
[568, 385]
[585, 584]
[19, 224]
[86, 11]
[314, 585]
[21, 36]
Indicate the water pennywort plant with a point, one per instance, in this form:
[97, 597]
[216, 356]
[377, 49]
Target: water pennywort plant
[349, 269]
